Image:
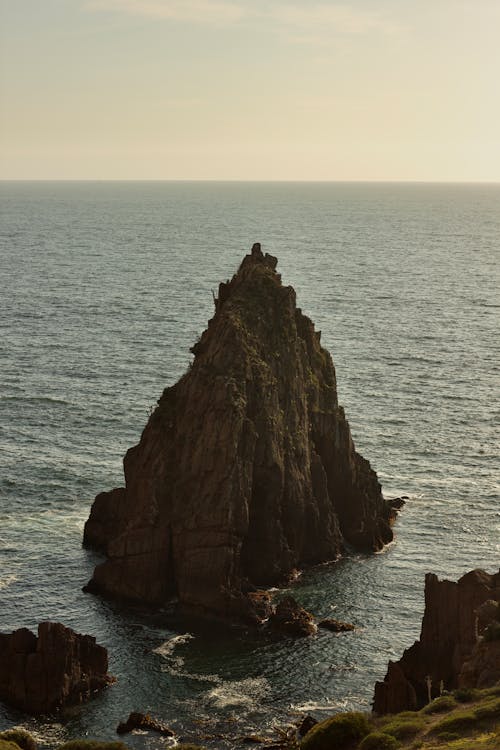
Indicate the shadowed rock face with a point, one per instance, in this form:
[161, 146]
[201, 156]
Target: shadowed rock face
[451, 648]
[41, 674]
[245, 470]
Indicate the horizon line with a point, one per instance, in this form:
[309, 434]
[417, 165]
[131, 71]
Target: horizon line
[253, 180]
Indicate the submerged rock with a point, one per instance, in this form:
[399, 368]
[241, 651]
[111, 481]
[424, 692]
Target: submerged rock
[336, 626]
[245, 470]
[59, 667]
[452, 651]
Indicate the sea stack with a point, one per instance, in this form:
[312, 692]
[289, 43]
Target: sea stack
[246, 469]
[44, 672]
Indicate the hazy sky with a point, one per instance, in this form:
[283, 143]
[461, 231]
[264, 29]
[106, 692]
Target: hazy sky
[247, 89]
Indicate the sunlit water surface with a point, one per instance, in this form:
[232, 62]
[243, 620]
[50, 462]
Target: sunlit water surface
[104, 288]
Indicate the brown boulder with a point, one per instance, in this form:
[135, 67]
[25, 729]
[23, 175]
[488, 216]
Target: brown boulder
[292, 619]
[336, 626]
[246, 469]
[448, 637]
[145, 722]
[41, 674]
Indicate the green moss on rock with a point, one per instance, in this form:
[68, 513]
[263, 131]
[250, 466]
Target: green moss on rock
[6, 745]
[459, 722]
[403, 726]
[21, 737]
[379, 741]
[440, 705]
[341, 732]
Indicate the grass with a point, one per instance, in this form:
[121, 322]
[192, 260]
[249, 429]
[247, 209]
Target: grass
[20, 737]
[379, 741]
[404, 727]
[341, 732]
[440, 705]
[6, 745]
[464, 720]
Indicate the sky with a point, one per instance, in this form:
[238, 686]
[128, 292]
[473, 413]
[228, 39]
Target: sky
[250, 89]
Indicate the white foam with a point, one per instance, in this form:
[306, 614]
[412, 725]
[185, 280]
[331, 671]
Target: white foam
[239, 693]
[7, 581]
[166, 648]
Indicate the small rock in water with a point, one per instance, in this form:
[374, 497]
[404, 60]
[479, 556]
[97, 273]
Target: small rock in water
[307, 723]
[292, 619]
[136, 720]
[336, 626]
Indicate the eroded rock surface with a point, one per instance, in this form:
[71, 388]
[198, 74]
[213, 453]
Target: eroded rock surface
[245, 470]
[41, 674]
[143, 722]
[290, 618]
[451, 651]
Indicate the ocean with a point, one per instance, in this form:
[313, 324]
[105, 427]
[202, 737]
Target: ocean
[106, 285]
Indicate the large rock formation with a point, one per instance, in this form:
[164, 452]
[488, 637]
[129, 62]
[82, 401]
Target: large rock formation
[245, 470]
[41, 674]
[452, 651]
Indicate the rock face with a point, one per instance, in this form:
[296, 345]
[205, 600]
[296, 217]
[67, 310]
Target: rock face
[451, 649]
[245, 470]
[336, 626]
[41, 674]
[144, 722]
[292, 619]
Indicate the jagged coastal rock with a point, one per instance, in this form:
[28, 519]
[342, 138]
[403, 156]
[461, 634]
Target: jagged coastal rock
[454, 649]
[245, 470]
[59, 667]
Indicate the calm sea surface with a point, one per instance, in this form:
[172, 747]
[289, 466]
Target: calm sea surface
[104, 287]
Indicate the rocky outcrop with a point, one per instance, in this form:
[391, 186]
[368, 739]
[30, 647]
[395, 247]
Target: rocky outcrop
[336, 626]
[41, 674]
[452, 651]
[245, 470]
[290, 618]
[145, 723]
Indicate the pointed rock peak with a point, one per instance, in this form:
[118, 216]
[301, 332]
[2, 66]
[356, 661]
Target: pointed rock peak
[246, 470]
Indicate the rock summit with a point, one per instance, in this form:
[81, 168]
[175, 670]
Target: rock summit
[246, 469]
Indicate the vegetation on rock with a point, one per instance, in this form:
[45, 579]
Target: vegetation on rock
[342, 731]
[379, 741]
[21, 737]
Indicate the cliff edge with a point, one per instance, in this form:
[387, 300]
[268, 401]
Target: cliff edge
[245, 470]
[459, 645]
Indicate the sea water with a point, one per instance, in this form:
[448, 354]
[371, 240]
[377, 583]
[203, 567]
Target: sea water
[105, 286]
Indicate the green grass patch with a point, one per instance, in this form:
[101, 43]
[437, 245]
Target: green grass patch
[459, 722]
[489, 709]
[379, 741]
[440, 705]
[403, 726]
[466, 695]
[340, 732]
[6, 745]
[20, 736]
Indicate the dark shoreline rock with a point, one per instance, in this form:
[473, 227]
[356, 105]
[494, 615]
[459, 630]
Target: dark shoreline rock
[452, 651]
[290, 618]
[137, 720]
[39, 674]
[245, 471]
[336, 626]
